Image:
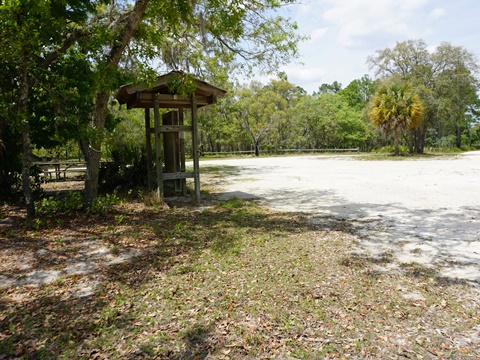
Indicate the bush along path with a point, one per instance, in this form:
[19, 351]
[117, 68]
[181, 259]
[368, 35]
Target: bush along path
[230, 281]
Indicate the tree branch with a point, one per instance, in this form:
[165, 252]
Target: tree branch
[69, 41]
[131, 25]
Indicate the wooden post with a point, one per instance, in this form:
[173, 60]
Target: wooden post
[196, 163]
[178, 162]
[169, 154]
[148, 144]
[182, 151]
[158, 147]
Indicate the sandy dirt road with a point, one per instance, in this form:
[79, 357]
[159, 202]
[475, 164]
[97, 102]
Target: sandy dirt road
[424, 211]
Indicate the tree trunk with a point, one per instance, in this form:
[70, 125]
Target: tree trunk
[420, 140]
[93, 154]
[459, 136]
[396, 141]
[3, 168]
[26, 143]
[26, 165]
[412, 139]
[257, 148]
[92, 149]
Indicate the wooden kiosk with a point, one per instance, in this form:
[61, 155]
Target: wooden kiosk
[170, 132]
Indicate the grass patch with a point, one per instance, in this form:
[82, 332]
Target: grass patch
[220, 170]
[405, 156]
[231, 281]
[418, 270]
[233, 203]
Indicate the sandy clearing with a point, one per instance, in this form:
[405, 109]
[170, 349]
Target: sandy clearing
[425, 211]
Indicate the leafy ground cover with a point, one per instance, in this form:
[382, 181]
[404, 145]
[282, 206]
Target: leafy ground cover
[229, 281]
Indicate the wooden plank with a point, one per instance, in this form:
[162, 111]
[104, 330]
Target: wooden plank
[158, 148]
[169, 101]
[182, 151]
[134, 101]
[169, 151]
[148, 144]
[174, 128]
[178, 175]
[196, 162]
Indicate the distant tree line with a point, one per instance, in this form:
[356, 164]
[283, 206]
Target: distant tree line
[419, 99]
[281, 115]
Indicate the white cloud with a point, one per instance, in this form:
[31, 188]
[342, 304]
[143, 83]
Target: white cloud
[345, 32]
[302, 74]
[317, 34]
[361, 21]
[437, 13]
[410, 4]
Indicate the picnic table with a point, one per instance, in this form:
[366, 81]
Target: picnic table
[58, 168]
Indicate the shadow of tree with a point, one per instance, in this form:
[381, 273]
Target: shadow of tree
[51, 319]
[448, 239]
[46, 320]
[197, 341]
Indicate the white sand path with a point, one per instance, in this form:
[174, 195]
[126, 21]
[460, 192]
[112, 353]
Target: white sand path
[425, 211]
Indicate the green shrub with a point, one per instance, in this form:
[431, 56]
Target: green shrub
[467, 148]
[73, 202]
[126, 170]
[447, 150]
[104, 204]
[390, 149]
[36, 181]
[64, 205]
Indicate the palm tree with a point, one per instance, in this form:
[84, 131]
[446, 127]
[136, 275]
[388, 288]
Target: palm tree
[396, 107]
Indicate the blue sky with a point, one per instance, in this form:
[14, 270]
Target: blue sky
[344, 33]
